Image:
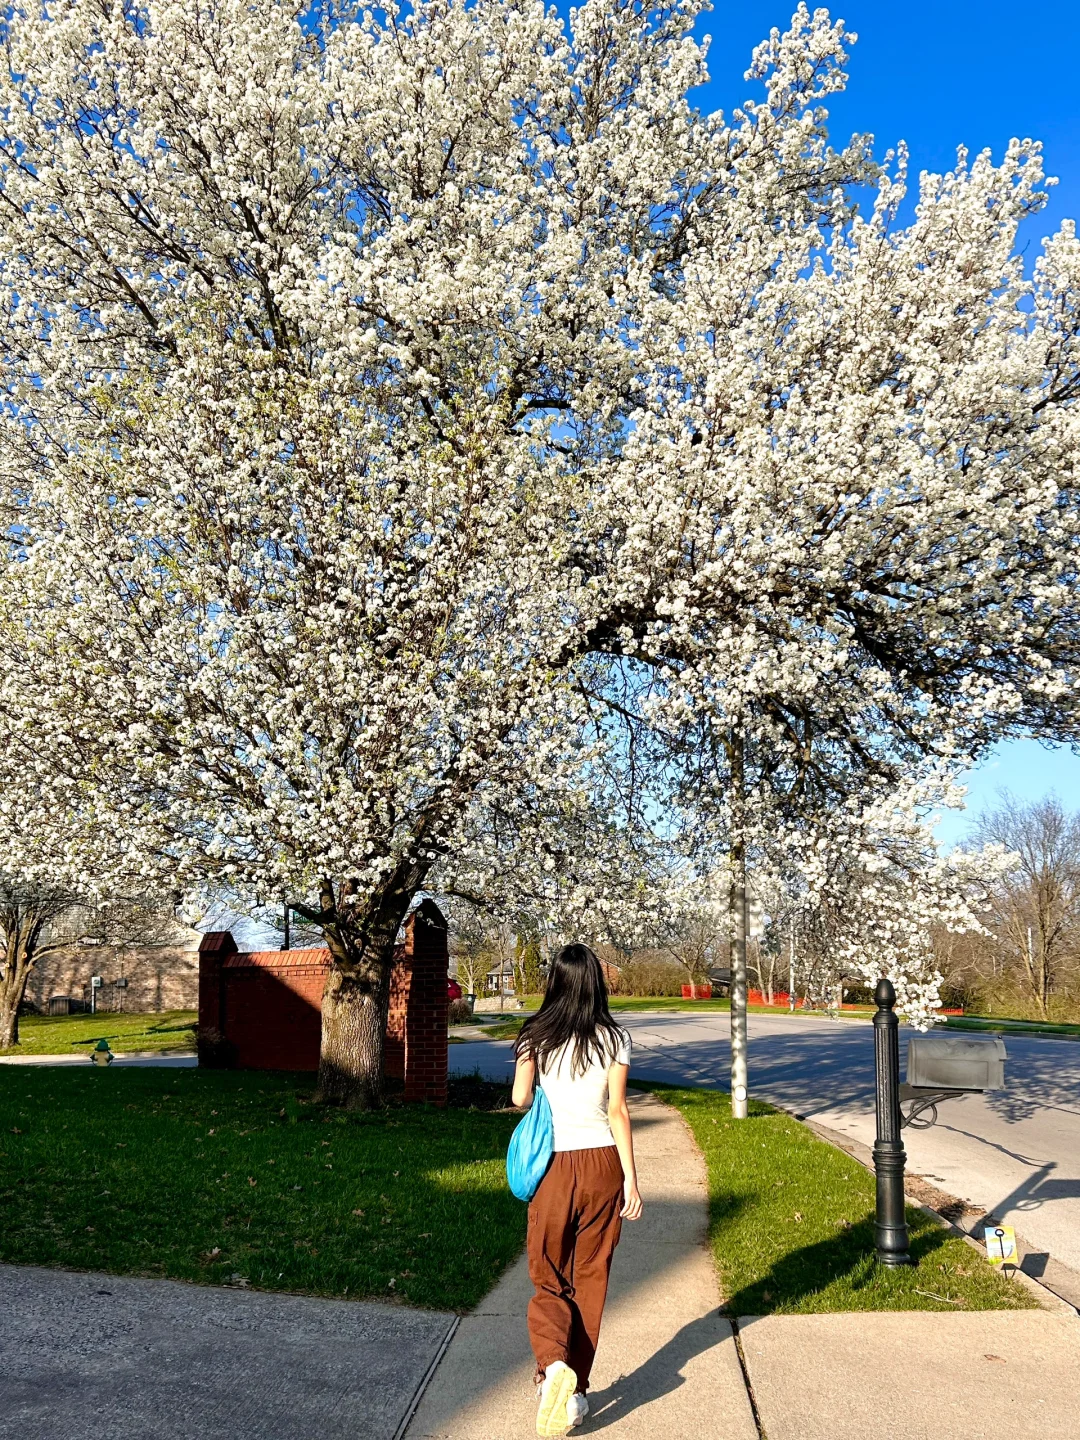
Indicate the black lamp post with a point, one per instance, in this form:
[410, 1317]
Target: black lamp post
[890, 1232]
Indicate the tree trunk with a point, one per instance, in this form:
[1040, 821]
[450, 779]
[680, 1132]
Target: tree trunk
[9, 1022]
[356, 997]
[12, 991]
[353, 1031]
[738, 912]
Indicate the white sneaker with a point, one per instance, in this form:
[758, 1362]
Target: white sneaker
[577, 1407]
[557, 1388]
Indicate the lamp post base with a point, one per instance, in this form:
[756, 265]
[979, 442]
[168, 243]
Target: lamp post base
[891, 1231]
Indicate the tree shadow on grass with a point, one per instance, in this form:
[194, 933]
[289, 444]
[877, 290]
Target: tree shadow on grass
[846, 1261]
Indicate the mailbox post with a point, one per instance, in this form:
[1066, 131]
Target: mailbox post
[890, 1231]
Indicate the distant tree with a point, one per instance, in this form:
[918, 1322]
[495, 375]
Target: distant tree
[31, 926]
[38, 920]
[693, 927]
[529, 962]
[480, 942]
[1034, 910]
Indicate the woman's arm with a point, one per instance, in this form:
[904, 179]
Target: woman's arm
[524, 1081]
[619, 1120]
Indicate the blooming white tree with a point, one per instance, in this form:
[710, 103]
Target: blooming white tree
[396, 399]
[869, 887]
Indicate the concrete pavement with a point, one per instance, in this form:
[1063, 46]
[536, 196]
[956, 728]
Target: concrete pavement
[181, 1058]
[666, 1364]
[89, 1356]
[997, 1375]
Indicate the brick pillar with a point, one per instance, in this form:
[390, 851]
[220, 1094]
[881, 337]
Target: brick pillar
[400, 985]
[425, 958]
[214, 948]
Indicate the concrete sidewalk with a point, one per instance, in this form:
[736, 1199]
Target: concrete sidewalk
[668, 1366]
[667, 1363]
[87, 1356]
[913, 1375]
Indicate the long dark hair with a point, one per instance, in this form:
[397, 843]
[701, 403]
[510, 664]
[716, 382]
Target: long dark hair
[575, 1007]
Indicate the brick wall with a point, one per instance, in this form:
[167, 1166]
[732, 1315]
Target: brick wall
[160, 977]
[416, 1037]
[262, 1010]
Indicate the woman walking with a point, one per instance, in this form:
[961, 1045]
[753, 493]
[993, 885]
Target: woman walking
[580, 1058]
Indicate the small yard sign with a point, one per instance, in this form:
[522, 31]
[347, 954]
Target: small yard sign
[1000, 1241]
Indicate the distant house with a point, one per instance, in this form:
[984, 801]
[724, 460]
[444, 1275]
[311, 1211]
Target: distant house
[502, 978]
[147, 978]
[509, 976]
[611, 972]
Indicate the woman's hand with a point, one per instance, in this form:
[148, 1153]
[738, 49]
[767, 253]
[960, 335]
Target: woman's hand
[631, 1209]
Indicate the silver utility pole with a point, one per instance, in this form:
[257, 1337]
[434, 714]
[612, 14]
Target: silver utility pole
[739, 1091]
[791, 968]
[739, 1106]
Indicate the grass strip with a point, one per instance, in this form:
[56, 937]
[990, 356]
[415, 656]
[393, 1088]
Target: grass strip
[1014, 1027]
[506, 1030]
[77, 1034]
[791, 1224]
[237, 1178]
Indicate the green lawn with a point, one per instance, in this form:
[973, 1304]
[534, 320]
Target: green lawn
[1013, 1027]
[666, 1002]
[791, 1224]
[234, 1177]
[65, 1034]
[505, 1030]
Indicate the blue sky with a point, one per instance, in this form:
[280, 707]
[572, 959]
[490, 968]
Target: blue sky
[939, 76]
[936, 76]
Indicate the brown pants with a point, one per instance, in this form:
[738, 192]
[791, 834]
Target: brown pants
[574, 1226]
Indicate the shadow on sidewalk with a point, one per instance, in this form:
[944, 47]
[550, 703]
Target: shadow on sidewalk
[659, 1376]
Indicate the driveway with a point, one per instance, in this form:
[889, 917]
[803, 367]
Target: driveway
[85, 1356]
[1014, 1153]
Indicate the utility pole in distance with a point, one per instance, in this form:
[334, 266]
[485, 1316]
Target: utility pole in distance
[791, 968]
[737, 909]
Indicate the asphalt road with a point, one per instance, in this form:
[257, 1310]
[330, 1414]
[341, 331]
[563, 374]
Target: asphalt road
[1014, 1152]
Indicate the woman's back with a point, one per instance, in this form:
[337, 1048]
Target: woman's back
[579, 1101]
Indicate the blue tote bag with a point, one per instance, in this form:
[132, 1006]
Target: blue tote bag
[531, 1148]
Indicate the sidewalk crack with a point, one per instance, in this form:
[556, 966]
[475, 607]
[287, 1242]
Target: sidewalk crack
[746, 1378]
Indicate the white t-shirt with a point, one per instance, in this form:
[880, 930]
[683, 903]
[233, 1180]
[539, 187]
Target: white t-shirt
[579, 1102]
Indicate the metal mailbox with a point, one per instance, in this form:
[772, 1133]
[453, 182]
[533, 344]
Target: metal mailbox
[956, 1062]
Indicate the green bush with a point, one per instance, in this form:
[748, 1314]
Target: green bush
[649, 977]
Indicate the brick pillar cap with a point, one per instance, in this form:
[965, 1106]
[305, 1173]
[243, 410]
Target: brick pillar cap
[430, 914]
[217, 942]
